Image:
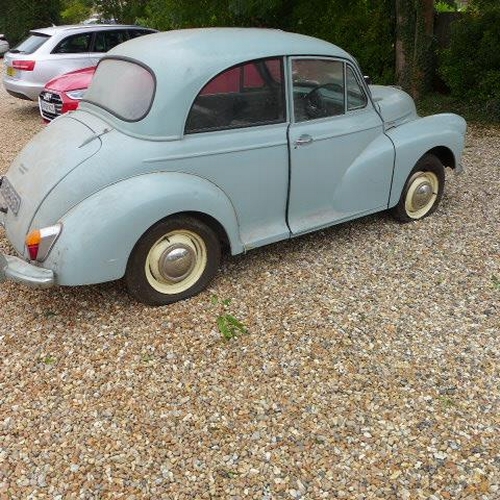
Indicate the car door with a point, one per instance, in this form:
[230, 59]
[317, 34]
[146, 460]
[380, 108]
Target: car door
[70, 54]
[236, 137]
[341, 162]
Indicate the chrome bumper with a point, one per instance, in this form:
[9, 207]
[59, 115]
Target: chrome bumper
[15, 269]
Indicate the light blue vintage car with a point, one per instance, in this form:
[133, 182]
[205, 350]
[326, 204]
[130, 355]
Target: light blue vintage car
[192, 141]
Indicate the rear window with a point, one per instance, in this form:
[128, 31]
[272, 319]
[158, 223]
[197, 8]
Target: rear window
[130, 100]
[246, 95]
[32, 43]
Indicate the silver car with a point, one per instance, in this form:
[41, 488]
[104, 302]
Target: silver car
[4, 44]
[50, 52]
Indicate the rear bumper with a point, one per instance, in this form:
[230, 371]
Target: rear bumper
[15, 269]
[22, 89]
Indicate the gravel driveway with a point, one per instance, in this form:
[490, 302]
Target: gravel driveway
[370, 368]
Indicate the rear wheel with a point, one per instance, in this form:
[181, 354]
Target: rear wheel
[423, 190]
[175, 259]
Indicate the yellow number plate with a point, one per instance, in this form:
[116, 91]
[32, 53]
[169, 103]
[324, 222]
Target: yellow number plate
[11, 71]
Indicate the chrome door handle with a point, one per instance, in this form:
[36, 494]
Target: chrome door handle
[303, 140]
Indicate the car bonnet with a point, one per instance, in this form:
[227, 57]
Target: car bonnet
[74, 80]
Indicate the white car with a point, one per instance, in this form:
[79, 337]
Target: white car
[50, 52]
[4, 44]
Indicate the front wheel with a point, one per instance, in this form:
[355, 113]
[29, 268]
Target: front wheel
[174, 259]
[423, 190]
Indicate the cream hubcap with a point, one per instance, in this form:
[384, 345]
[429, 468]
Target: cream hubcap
[176, 262]
[422, 193]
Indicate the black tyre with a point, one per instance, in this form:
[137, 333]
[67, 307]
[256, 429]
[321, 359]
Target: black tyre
[423, 190]
[173, 260]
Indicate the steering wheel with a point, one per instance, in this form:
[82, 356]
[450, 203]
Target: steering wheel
[316, 106]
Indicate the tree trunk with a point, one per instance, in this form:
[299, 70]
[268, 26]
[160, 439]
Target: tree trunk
[414, 51]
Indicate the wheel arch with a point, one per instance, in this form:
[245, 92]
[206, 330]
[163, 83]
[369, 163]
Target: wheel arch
[209, 221]
[440, 135]
[444, 155]
[100, 232]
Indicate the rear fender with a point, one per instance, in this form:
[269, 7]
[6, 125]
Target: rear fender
[100, 232]
[442, 135]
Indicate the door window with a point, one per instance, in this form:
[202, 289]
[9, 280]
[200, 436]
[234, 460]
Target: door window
[246, 95]
[106, 40]
[75, 44]
[356, 97]
[318, 88]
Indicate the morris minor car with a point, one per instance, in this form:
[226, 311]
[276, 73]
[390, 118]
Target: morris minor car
[193, 141]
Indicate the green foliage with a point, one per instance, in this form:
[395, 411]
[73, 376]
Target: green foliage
[20, 16]
[433, 103]
[444, 6]
[496, 282]
[49, 360]
[471, 66]
[362, 27]
[75, 11]
[482, 5]
[446, 402]
[228, 325]
[124, 11]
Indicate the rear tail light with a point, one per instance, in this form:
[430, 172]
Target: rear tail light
[40, 241]
[23, 65]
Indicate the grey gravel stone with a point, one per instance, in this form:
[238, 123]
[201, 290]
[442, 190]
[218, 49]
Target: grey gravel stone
[370, 370]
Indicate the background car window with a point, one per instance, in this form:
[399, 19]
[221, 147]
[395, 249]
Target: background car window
[356, 97]
[243, 96]
[32, 43]
[75, 44]
[134, 33]
[318, 88]
[106, 40]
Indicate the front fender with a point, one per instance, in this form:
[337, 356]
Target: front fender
[414, 139]
[99, 233]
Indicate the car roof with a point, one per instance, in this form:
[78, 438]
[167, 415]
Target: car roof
[52, 30]
[223, 46]
[183, 61]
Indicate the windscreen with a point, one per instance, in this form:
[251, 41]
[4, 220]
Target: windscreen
[32, 43]
[124, 88]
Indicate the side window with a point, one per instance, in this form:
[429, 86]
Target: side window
[106, 40]
[318, 88]
[75, 44]
[246, 95]
[134, 33]
[356, 97]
